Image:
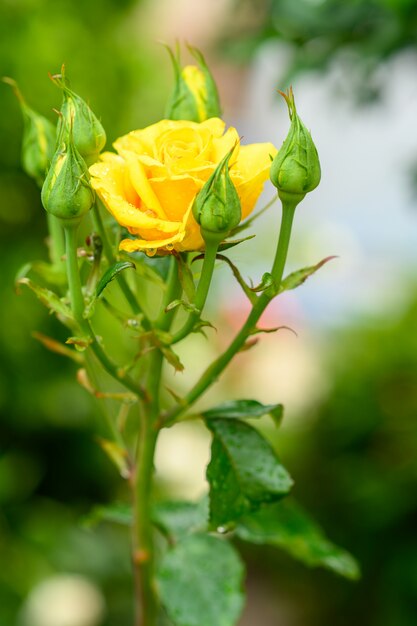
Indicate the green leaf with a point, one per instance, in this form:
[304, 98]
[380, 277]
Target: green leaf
[116, 513]
[178, 518]
[226, 245]
[200, 582]
[298, 277]
[111, 274]
[235, 409]
[49, 299]
[186, 278]
[244, 471]
[287, 526]
[51, 274]
[236, 273]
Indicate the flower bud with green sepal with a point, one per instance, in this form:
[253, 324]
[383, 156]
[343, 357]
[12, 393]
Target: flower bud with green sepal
[217, 206]
[88, 133]
[39, 138]
[295, 170]
[66, 192]
[195, 97]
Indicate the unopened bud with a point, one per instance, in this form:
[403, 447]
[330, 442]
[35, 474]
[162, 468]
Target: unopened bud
[295, 170]
[66, 192]
[217, 206]
[88, 134]
[194, 97]
[39, 137]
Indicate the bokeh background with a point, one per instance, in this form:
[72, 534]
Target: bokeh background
[348, 380]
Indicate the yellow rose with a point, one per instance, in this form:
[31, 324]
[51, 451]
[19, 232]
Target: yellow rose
[150, 184]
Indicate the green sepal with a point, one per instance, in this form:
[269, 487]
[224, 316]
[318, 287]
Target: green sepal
[200, 582]
[217, 207]
[244, 471]
[88, 133]
[287, 526]
[66, 192]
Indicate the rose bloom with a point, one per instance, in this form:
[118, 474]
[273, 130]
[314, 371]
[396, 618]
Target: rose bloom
[150, 184]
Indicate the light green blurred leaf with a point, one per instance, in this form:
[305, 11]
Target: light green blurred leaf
[240, 409]
[179, 518]
[287, 526]
[200, 582]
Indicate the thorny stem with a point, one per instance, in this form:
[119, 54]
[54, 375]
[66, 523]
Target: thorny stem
[77, 305]
[142, 539]
[212, 373]
[201, 293]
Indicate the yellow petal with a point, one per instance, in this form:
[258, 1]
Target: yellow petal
[250, 173]
[108, 179]
[133, 245]
[223, 145]
[254, 158]
[176, 193]
[141, 184]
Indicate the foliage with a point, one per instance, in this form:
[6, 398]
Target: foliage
[367, 31]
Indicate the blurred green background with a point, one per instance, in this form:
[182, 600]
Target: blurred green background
[352, 447]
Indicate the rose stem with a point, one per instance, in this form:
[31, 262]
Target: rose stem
[146, 599]
[212, 373]
[77, 306]
[202, 291]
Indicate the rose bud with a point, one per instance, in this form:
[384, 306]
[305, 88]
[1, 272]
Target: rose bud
[195, 97]
[88, 134]
[295, 170]
[66, 192]
[39, 138]
[217, 207]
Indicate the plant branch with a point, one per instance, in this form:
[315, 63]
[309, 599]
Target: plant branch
[201, 293]
[77, 305]
[212, 373]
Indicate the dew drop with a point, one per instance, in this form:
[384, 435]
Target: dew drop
[169, 246]
[151, 251]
